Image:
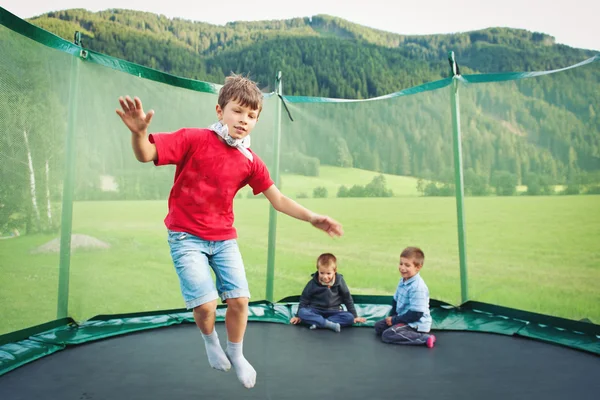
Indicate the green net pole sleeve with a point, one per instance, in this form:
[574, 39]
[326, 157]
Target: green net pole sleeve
[275, 175]
[459, 179]
[67, 198]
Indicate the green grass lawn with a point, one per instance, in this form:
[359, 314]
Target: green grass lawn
[534, 253]
[333, 177]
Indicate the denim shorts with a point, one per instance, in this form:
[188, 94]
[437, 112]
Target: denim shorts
[194, 257]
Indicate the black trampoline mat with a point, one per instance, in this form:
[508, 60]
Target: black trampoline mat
[296, 363]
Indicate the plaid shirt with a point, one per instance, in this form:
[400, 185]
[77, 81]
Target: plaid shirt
[413, 295]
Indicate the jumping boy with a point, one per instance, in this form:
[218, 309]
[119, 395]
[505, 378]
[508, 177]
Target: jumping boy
[322, 297]
[212, 165]
[409, 321]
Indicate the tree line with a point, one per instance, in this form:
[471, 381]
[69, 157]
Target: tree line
[537, 132]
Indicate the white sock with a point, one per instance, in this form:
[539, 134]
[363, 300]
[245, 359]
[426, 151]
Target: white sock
[214, 351]
[334, 326]
[245, 372]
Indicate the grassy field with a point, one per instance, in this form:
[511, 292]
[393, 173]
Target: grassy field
[332, 178]
[535, 253]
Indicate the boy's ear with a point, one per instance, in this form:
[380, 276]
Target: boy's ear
[219, 112]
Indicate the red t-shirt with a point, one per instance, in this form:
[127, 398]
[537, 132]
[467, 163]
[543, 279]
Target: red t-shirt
[208, 175]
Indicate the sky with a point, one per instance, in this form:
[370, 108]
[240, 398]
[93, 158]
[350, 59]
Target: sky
[573, 22]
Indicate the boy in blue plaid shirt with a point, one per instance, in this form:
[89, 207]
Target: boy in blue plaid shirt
[409, 321]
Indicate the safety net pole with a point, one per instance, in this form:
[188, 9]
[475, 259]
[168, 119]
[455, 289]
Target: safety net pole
[68, 189]
[275, 175]
[458, 177]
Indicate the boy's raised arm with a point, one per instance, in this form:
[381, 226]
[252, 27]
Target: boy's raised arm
[133, 116]
[288, 206]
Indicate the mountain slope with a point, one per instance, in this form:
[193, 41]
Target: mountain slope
[547, 126]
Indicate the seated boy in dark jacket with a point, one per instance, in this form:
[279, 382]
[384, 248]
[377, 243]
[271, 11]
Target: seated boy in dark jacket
[323, 296]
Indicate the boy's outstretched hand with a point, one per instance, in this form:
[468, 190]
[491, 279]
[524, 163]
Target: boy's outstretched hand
[133, 115]
[295, 320]
[327, 224]
[359, 319]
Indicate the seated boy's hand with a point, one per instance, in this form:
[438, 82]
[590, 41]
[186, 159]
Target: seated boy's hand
[388, 321]
[295, 320]
[359, 319]
[327, 224]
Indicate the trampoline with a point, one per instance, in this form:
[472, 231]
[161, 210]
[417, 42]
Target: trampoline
[483, 351]
[294, 362]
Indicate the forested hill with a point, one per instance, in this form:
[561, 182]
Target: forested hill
[547, 127]
[309, 51]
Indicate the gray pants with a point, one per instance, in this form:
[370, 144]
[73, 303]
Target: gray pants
[400, 334]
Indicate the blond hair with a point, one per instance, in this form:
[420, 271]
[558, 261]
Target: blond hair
[415, 254]
[327, 260]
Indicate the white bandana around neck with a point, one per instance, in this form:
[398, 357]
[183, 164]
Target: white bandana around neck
[241, 144]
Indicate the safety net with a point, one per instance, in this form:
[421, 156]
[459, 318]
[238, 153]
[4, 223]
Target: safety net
[495, 176]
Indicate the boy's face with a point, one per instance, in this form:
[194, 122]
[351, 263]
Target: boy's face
[326, 273]
[240, 120]
[408, 268]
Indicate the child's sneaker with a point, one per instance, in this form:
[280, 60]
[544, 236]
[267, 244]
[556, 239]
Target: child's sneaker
[430, 341]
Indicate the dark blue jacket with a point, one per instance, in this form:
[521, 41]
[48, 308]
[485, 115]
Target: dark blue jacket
[322, 297]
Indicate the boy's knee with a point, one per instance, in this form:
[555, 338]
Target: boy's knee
[303, 313]
[347, 319]
[380, 327]
[206, 309]
[388, 336]
[238, 304]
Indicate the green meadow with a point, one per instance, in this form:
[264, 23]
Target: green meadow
[539, 254]
[332, 178]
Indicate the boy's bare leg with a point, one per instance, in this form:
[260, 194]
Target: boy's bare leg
[236, 320]
[204, 315]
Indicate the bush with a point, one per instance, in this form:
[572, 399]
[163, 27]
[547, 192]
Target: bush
[320, 192]
[595, 189]
[357, 191]
[505, 183]
[571, 189]
[474, 184]
[537, 185]
[376, 188]
[445, 190]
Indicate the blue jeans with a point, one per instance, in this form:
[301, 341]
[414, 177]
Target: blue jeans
[194, 257]
[314, 316]
[400, 334]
